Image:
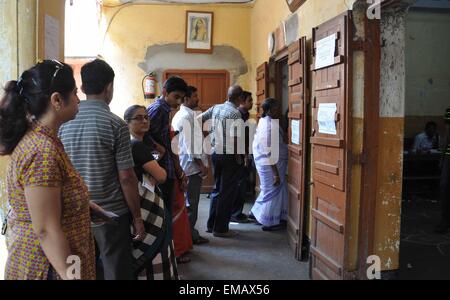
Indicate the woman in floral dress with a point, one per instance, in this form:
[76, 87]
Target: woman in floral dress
[48, 233]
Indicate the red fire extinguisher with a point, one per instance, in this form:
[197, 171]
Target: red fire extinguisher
[149, 84]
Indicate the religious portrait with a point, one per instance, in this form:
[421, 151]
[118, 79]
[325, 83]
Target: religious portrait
[199, 32]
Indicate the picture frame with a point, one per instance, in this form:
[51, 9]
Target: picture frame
[294, 4]
[199, 32]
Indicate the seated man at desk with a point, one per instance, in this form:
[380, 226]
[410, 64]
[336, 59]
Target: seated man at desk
[427, 140]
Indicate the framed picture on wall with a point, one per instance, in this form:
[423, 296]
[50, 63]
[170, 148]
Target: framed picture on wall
[199, 32]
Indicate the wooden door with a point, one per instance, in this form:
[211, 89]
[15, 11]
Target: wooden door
[212, 88]
[262, 86]
[298, 100]
[330, 153]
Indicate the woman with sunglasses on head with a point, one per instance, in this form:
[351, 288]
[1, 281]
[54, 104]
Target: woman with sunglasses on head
[48, 233]
[155, 256]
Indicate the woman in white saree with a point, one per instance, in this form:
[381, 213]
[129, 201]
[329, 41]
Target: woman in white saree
[271, 158]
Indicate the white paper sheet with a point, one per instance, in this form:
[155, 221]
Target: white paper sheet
[325, 49]
[295, 131]
[326, 117]
[51, 38]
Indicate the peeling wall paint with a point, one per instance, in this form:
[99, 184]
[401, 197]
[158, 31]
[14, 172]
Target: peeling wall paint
[391, 133]
[172, 56]
[393, 64]
[142, 38]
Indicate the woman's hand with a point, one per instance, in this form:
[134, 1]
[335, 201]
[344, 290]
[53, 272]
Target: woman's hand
[139, 230]
[277, 180]
[183, 182]
[276, 176]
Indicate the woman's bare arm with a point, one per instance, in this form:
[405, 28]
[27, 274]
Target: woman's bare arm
[155, 171]
[44, 204]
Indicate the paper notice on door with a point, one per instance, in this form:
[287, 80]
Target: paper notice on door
[325, 49]
[326, 117]
[51, 38]
[295, 132]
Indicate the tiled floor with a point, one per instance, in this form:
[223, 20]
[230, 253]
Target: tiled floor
[423, 253]
[253, 255]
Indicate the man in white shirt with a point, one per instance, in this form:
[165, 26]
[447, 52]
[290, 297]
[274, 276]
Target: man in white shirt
[192, 160]
[427, 140]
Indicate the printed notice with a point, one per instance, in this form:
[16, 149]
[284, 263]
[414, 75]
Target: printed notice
[326, 117]
[325, 49]
[51, 37]
[295, 130]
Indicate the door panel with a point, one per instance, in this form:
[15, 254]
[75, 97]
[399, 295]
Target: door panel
[331, 85]
[212, 89]
[297, 63]
[262, 83]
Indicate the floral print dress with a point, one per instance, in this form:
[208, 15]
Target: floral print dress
[39, 160]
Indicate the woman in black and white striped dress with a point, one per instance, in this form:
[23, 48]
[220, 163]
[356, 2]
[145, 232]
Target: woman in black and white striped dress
[154, 257]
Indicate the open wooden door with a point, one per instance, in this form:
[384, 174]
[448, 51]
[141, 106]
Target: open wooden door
[298, 101]
[262, 86]
[332, 86]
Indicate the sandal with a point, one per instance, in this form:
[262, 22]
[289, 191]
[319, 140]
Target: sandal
[183, 259]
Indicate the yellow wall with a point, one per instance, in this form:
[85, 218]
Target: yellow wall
[389, 198]
[133, 28]
[267, 15]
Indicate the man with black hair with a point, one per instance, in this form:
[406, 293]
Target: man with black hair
[246, 169]
[174, 90]
[192, 158]
[444, 226]
[427, 140]
[98, 144]
[226, 161]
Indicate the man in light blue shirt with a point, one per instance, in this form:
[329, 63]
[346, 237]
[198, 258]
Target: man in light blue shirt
[427, 140]
[192, 160]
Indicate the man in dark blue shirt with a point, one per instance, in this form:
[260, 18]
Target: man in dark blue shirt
[174, 90]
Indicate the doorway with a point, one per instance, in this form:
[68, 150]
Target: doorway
[282, 89]
[212, 88]
[424, 254]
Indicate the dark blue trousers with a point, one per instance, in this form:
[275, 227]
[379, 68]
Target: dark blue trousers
[226, 179]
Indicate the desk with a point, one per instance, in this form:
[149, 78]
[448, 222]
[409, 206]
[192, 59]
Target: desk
[421, 173]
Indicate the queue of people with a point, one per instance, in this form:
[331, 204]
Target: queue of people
[94, 196]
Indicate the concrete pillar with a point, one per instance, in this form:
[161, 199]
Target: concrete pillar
[391, 133]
